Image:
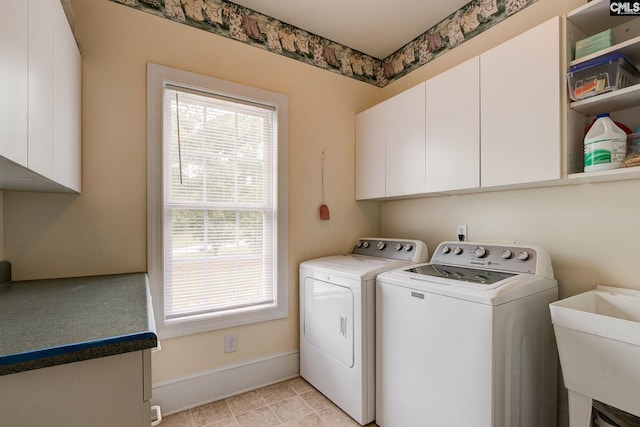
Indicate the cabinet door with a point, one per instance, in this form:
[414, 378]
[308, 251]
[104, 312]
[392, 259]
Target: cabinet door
[370, 153]
[40, 84]
[405, 165]
[13, 81]
[520, 108]
[40, 107]
[103, 392]
[453, 128]
[66, 103]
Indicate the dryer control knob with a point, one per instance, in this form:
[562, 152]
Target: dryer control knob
[457, 250]
[365, 245]
[523, 256]
[381, 245]
[398, 246]
[359, 244]
[408, 247]
[506, 254]
[480, 252]
[445, 249]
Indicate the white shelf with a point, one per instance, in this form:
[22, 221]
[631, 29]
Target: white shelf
[620, 99]
[630, 48]
[604, 176]
[593, 17]
[589, 19]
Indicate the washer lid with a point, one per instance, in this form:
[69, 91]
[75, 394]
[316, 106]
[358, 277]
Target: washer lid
[505, 289]
[473, 275]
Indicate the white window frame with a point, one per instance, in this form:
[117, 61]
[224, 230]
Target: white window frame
[158, 76]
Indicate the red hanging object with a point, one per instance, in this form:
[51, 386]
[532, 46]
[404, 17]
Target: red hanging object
[324, 213]
[324, 209]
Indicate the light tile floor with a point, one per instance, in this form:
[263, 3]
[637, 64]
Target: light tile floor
[292, 403]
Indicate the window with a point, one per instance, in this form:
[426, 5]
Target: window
[216, 187]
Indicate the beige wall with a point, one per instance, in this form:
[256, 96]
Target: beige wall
[103, 230]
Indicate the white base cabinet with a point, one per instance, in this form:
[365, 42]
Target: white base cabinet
[40, 129]
[103, 392]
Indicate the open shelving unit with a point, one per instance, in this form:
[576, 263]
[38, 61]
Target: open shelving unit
[593, 18]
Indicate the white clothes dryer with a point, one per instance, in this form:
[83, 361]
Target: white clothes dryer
[337, 308]
[467, 340]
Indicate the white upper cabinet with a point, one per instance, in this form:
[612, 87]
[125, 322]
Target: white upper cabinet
[67, 102]
[520, 108]
[40, 96]
[499, 120]
[405, 143]
[370, 153]
[390, 147]
[40, 113]
[453, 128]
[13, 81]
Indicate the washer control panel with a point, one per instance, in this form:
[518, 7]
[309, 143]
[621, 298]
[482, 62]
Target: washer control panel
[512, 258]
[397, 249]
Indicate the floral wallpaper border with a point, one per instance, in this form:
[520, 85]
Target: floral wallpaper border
[239, 23]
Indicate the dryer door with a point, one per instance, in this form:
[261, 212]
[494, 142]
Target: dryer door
[328, 319]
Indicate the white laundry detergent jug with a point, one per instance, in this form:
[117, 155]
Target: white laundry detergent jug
[605, 145]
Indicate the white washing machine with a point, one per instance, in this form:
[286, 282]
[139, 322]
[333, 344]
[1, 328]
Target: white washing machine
[467, 340]
[337, 308]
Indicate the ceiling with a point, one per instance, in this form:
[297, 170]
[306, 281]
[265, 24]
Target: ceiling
[375, 27]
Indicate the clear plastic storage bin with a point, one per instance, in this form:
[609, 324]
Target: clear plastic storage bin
[600, 75]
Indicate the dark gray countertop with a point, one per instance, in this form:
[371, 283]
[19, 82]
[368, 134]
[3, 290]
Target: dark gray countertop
[50, 322]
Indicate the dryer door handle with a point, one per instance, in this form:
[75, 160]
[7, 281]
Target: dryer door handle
[343, 325]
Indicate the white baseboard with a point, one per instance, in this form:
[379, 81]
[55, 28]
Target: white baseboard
[190, 391]
[187, 392]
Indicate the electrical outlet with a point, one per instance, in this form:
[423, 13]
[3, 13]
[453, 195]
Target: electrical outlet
[230, 343]
[461, 232]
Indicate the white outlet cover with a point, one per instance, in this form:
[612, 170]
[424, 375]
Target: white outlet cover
[230, 343]
[461, 229]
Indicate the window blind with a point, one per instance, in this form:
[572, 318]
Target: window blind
[219, 195]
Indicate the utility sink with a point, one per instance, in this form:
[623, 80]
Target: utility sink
[598, 337]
